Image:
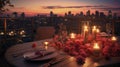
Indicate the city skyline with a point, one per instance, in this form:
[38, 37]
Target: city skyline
[34, 7]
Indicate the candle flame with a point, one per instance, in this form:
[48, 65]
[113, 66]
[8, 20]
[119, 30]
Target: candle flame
[97, 30]
[46, 43]
[113, 38]
[85, 28]
[72, 35]
[96, 46]
[94, 28]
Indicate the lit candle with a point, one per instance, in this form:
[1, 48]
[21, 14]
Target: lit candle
[96, 46]
[72, 36]
[46, 43]
[96, 49]
[113, 38]
[85, 28]
[94, 29]
[97, 30]
[85, 33]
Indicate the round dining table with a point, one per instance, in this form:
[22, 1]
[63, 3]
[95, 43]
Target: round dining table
[14, 55]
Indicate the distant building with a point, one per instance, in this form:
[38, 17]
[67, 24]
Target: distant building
[22, 15]
[88, 13]
[110, 14]
[96, 14]
[102, 15]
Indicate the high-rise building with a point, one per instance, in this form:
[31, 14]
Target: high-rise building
[81, 14]
[51, 14]
[110, 14]
[96, 13]
[23, 15]
[115, 15]
[88, 13]
[102, 15]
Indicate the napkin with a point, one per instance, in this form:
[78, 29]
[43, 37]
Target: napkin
[39, 54]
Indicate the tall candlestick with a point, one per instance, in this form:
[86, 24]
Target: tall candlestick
[85, 33]
[72, 35]
[94, 31]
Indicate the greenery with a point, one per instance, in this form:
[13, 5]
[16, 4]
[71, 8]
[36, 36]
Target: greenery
[4, 4]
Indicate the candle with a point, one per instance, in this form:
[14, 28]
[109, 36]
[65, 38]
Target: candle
[97, 30]
[72, 36]
[96, 49]
[85, 29]
[46, 43]
[94, 29]
[96, 46]
[85, 33]
[113, 38]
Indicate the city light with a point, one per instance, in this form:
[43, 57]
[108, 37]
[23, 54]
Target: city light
[22, 32]
[1, 33]
[11, 33]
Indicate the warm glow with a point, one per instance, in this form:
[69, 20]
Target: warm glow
[72, 35]
[85, 28]
[113, 38]
[11, 33]
[46, 47]
[75, 6]
[2, 33]
[94, 29]
[98, 30]
[96, 46]
[46, 43]
[22, 32]
[72, 58]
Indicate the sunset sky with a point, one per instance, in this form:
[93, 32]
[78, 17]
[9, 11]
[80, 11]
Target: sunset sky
[60, 7]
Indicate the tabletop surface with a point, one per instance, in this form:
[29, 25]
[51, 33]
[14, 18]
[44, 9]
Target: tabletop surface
[14, 55]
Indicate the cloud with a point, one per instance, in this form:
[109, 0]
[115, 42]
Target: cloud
[19, 8]
[58, 7]
[106, 9]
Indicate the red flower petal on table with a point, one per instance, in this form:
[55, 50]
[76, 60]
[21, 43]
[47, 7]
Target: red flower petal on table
[34, 45]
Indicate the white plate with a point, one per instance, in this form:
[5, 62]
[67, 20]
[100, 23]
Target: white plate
[27, 56]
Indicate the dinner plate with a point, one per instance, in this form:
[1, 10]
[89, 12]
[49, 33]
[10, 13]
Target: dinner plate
[51, 55]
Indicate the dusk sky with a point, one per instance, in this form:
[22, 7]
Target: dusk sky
[60, 7]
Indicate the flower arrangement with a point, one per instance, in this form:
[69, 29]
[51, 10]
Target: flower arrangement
[81, 49]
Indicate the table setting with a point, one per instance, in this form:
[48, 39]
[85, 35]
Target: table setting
[88, 49]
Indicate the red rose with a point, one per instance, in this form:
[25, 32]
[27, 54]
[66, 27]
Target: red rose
[34, 45]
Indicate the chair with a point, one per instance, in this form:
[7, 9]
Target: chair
[44, 32]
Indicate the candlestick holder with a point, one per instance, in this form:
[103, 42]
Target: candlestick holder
[96, 52]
